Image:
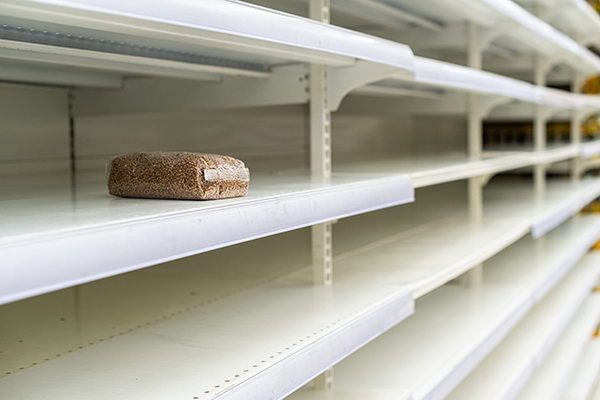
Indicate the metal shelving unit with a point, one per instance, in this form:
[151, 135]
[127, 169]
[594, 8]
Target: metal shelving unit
[108, 298]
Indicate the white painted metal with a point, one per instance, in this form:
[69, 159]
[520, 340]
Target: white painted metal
[448, 75]
[551, 379]
[53, 238]
[210, 26]
[407, 259]
[563, 199]
[285, 85]
[320, 162]
[586, 374]
[548, 259]
[590, 149]
[282, 335]
[503, 374]
[431, 352]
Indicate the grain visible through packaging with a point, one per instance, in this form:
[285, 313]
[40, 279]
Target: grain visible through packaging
[177, 175]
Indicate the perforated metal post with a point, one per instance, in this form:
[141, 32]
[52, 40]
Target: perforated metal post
[320, 164]
[474, 277]
[320, 152]
[576, 120]
[539, 128]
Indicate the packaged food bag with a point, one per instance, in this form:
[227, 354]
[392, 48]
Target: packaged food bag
[177, 175]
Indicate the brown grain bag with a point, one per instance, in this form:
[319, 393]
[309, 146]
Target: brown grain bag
[177, 175]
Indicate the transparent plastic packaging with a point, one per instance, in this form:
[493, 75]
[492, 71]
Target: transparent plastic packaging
[177, 175]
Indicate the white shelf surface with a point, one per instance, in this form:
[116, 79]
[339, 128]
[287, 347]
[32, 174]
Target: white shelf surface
[53, 236]
[407, 259]
[575, 18]
[563, 199]
[194, 39]
[434, 350]
[548, 259]
[590, 149]
[263, 342]
[427, 170]
[551, 379]
[427, 355]
[586, 374]
[504, 373]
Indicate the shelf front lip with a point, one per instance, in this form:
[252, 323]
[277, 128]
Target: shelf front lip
[425, 286]
[322, 354]
[555, 155]
[130, 245]
[590, 149]
[217, 24]
[439, 73]
[558, 214]
[582, 382]
[463, 171]
[384, 307]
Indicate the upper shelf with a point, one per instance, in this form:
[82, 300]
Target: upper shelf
[42, 217]
[189, 39]
[575, 18]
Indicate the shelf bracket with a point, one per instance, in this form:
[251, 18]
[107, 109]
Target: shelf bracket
[343, 80]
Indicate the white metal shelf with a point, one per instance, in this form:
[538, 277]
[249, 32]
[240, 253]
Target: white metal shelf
[406, 259]
[505, 372]
[428, 354]
[426, 170]
[552, 377]
[186, 39]
[586, 374]
[259, 343]
[575, 18]
[564, 198]
[54, 236]
[548, 259]
[590, 149]
[455, 327]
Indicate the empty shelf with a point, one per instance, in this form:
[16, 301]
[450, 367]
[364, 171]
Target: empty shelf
[261, 343]
[564, 198]
[586, 374]
[504, 373]
[428, 255]
[434, 169]
[551, 379]
[455, 327]
[590, 149]
[54, 236]
[548, 259]
[186, 39]
[432, 351]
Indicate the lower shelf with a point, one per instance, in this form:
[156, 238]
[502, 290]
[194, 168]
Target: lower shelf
[261, 343]
[586, 374]
[506, 371]
[455, 327]
[551, 379]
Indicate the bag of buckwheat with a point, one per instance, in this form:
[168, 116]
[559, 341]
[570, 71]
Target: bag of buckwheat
[177, 175]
